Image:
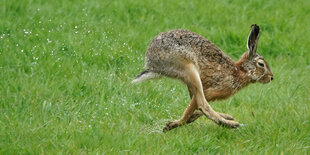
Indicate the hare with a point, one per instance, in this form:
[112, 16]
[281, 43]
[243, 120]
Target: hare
[206, 70]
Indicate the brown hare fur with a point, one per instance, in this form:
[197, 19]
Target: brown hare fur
[206, 70]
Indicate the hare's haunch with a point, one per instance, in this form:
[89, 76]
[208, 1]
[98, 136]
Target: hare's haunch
[206, 70]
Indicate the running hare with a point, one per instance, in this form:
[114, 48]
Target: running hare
[206, 70]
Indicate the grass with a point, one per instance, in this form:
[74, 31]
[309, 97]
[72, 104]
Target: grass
[66, 67]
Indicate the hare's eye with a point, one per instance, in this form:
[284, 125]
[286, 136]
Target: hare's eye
[261, 64]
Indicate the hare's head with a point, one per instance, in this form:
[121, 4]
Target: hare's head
[255, 65]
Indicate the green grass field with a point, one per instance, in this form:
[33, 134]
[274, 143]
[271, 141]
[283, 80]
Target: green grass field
[66, 68]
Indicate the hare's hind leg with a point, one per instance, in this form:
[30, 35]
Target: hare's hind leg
[192, 79]
[226, 116]
[190, 115]
[197, 114]
[186, 118]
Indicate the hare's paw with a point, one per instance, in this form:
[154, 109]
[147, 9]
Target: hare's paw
[229, 123]
[171, 125]
[226, 116]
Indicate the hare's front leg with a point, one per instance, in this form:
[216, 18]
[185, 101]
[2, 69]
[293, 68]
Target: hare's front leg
[186, 118]
[192, 79]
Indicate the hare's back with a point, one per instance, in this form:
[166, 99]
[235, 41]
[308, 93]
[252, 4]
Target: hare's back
[175, 43]
[171, 48]
[174, 40]
[181, 44]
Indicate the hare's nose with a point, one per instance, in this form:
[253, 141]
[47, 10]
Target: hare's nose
[271, 78]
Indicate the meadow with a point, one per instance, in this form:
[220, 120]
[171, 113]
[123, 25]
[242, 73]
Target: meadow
[66, 69]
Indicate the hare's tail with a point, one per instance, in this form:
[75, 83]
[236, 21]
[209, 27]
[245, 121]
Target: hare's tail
[145, 75]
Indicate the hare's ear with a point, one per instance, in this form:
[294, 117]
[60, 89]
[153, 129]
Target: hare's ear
[253, 39]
